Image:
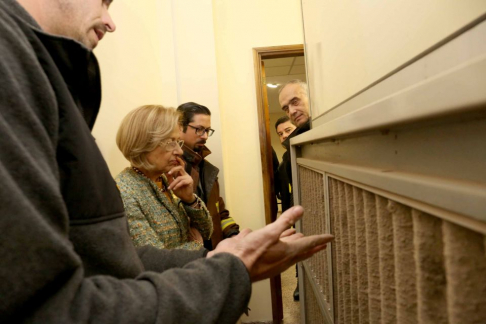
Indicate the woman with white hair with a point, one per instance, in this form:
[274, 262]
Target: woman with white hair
[157, 193]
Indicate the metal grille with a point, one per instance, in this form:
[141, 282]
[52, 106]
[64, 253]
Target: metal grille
[315, 223]
[390, 263]
[312, 310]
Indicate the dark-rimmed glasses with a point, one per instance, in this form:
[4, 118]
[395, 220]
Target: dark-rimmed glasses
[201, 130]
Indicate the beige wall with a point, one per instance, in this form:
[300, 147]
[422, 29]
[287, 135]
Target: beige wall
[350, 44]
[131, 62]
[165, 52]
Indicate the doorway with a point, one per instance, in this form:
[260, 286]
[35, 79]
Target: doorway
[274, 66]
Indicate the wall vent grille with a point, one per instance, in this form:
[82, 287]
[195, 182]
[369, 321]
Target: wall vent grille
[389, 263]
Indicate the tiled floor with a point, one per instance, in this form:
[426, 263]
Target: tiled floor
[291, 308]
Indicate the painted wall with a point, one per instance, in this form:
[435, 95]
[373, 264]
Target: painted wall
[240, 26]
[350, 44]
[132, 60]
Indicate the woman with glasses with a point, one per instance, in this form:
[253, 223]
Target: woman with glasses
[157, 193]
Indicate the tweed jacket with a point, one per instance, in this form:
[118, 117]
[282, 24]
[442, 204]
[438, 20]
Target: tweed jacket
[285, 169]
[154, 219]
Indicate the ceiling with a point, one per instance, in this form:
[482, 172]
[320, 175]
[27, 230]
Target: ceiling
[277, 72]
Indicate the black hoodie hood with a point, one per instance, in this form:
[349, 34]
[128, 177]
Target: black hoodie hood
[299, 130]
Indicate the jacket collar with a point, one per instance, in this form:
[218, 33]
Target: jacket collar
[194, 158]
[299, 130]
[77, 65]
[80, 70]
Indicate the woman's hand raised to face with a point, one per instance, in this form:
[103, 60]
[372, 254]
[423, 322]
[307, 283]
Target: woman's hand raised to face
[180, 182]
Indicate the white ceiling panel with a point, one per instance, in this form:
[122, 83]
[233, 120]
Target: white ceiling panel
[297, 69]
[299, 60]
[275, 71]
[284, 61]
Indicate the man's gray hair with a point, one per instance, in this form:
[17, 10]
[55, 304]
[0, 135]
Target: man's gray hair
[303, 85]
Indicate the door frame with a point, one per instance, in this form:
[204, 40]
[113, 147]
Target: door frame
[259, 54]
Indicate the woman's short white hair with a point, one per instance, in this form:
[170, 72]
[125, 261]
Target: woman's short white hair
[142, 130]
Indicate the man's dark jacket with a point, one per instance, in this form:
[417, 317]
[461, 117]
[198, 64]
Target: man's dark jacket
[206, 186]
[285, 169]
[65, 249]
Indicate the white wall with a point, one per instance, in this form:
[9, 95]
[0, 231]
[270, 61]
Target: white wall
[195, 59]
[351, 43]
[239, 27]
[132, 61]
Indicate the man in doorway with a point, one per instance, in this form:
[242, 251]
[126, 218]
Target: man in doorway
[294, 100]
[284, 128]
[196, 129]
[66, 252]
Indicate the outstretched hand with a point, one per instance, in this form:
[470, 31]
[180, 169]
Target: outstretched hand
[274, 248]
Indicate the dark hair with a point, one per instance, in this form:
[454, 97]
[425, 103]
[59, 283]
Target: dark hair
[188, 110]
[281, 120]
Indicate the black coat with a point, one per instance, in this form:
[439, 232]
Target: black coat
[285, 169]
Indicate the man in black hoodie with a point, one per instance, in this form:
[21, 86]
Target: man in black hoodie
[284, 128]
[65, 249]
